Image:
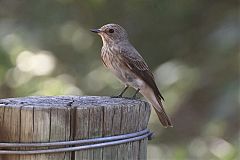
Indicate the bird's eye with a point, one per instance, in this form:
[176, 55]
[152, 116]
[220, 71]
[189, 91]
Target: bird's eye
[111, 30]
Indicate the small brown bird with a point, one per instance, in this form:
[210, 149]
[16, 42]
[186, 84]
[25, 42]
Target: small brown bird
[127, 64]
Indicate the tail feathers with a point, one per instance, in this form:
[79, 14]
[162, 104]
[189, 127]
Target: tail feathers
[155, 99]
[166, 122]
[164, 119]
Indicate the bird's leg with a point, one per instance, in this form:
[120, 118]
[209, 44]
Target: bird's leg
[120, 95]
[135, 94]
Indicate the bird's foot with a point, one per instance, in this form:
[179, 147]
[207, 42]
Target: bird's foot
[135, 97]
[118, 96]
[132, 98]
[121, 94]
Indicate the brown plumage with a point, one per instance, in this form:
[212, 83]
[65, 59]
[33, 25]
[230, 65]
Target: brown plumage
[127, 64]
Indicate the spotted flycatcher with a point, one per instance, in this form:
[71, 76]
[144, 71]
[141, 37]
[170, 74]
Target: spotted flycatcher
[127, 64]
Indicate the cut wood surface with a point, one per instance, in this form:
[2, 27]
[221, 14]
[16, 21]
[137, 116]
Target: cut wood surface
[64, 118]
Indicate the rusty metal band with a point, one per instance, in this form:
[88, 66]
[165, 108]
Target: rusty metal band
[77, 145]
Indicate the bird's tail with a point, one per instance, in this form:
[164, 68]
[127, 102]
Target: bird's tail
[164, 119]
[156, 102]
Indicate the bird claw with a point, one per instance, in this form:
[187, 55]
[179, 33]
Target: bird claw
[118, 96]
[135, 97]
[132, 98]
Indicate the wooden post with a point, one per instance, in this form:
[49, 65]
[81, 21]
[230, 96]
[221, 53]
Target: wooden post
[64, 118]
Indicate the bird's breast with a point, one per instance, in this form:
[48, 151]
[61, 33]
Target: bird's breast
[117, 66]
[108, 58]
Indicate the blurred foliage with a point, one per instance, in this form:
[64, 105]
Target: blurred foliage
[191, 45]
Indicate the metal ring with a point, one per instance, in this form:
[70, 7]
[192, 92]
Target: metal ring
[97, 143]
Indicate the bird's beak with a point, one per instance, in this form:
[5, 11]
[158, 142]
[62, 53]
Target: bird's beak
[95, 30]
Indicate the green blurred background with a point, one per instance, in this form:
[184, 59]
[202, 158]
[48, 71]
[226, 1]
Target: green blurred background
[190, 45]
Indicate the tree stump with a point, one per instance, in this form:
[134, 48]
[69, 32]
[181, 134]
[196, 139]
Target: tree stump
[65, 118]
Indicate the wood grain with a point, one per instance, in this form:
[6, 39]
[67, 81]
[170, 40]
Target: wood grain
[63, 118]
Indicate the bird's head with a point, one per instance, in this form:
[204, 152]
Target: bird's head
[111, 33]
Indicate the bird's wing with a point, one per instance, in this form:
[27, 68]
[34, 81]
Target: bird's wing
[136, 63]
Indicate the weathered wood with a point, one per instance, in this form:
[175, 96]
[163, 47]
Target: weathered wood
[63, 118]
[10, 128]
